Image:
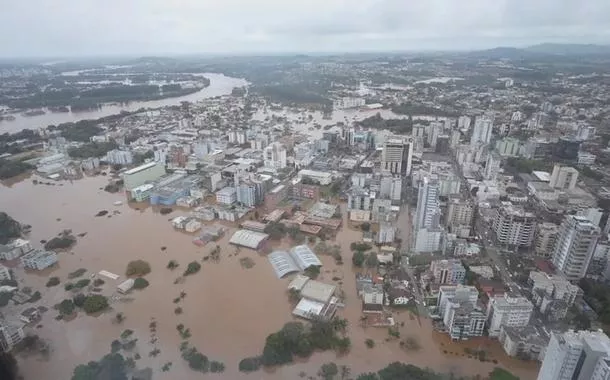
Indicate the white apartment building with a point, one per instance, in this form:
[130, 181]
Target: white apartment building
[226, 196]
[580, 355]
[397, 155]
[552, 295]
[563, 177]
[459, 212]
[481, 133]
[119, 157]
[514, 226]
[464, 295]
[492, 166]
[14, 249]
[5, 274]
[509, 147]
[448, 272]
[509, 311]
[426, 226]
[391, 187]
[463, 321]
[585, 158]
[274, 156]
[464, 122]
[575, 246]
[347, 103]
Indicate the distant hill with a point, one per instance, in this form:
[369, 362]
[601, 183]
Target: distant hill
[544, 51]
[569, 49]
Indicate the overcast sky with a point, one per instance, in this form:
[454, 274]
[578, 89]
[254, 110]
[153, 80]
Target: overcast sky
[55, 28]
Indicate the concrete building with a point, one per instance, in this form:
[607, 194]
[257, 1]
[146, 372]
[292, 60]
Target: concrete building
[466, 295]
[386, 234]
[274, 156]
[10, 335]
[461, 316]
[585, 158]
[448, 272]
[5, 274]
[460, 212]
[464, 122]
[581, 355]
[226, 196]
[397, 155]
[39, 259]
[546, 236]
[552, 295]
[492, 166]
[426, 226]
[575, 246]
[528, 342]
[14, 249]
[514, 226]
[322, 178]
[119, 157]
[390, 187]
[359, 199]
[508, 310]
[563, 177]
[142, 174]
[481, 133]
[508, 147]
[347, 103]
[249, 192]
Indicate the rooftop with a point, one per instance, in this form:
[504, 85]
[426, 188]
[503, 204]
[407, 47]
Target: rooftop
[140, 168]
[249, 239]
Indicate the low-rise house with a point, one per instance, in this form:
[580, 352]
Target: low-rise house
[39, 259]
[317, 298]
[14, 249]
[126, 286]
[10, 335]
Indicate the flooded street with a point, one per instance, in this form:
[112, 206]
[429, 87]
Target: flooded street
[228, 309]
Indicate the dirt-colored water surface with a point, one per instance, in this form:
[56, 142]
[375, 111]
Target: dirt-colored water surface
[229, 310]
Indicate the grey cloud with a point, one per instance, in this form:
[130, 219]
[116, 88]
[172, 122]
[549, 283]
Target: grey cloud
[88, 27]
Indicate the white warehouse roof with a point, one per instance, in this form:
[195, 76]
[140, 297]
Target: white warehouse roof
[300, 258]
[248, 239]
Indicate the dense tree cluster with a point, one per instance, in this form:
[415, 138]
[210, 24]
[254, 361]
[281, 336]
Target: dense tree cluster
[597, 295]
[12, 168]
[92, 149]
[295, 339]
[9, 228]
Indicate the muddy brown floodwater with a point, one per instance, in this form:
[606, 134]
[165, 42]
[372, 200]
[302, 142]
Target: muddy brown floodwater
[228, 309]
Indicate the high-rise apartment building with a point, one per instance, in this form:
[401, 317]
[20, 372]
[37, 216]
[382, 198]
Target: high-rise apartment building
[464, 122]
[274, 156]
[448, 272]
[581, 355]
[508, 311]
[460, 212]
[481, 133]
[397, 155]
[514, 226]
[575, 246]
[426, 226]
[563, 177]
[546, 236]
[492, 166]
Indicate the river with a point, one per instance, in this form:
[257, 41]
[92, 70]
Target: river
[219, 85]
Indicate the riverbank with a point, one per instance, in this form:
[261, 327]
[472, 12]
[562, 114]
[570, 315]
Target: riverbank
[229, 310]
[220, 85]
